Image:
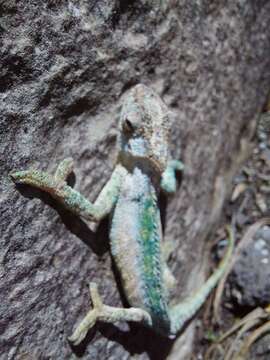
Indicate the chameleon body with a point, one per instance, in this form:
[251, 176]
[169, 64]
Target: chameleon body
[131, 197]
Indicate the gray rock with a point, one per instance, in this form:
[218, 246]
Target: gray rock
[249, 281]
[64, 66]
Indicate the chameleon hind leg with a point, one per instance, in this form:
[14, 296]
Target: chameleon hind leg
[108, 314]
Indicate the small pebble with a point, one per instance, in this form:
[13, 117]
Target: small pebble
[259, 244]
[262, 146]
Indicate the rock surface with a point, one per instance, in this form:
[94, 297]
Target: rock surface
[64, 66]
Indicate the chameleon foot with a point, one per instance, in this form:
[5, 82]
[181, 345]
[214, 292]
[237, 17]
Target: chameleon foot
[43, 180]
[105, 313]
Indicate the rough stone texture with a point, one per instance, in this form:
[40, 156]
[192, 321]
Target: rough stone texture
[249, 280]
[64, 66]
[260, 350]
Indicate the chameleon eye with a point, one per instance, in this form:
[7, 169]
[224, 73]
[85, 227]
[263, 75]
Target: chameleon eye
[127, 126]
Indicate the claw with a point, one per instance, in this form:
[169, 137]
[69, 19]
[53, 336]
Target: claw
[18, 176]
[64, 169]
[77, 337]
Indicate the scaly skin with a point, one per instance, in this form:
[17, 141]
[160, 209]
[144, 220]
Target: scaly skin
[131, 194]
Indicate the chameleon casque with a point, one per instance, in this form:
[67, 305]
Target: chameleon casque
[143, 168]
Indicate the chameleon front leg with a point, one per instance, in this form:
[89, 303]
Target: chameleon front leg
[168, 185]
[57, 187]
[108, 314]
[168, 179]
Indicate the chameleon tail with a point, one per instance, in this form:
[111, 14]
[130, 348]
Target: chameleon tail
[182, 312]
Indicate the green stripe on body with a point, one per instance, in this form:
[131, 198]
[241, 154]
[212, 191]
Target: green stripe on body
[151, 261]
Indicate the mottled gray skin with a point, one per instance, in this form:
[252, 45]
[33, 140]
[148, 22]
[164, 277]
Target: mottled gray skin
[142, 170]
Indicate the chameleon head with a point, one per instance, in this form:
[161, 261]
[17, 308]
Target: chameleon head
[144, 128]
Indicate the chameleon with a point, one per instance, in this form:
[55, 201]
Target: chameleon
[143, 169]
